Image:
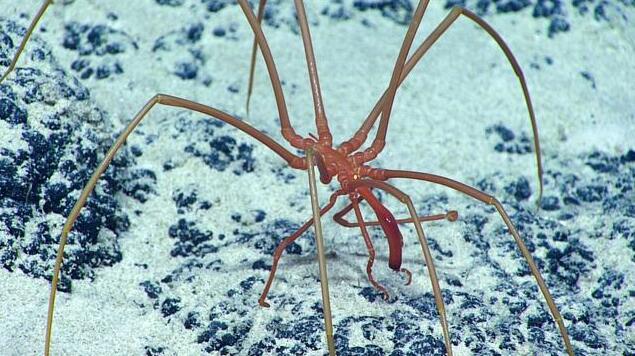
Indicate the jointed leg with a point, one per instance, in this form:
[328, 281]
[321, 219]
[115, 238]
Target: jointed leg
[436, 289]
[361, 134]
[288, 241]
[324, 133]
[380, 140]
[451, 216]
[254, 48]
[438, 296]
[369, 246]
[29, 32]
[326, 302]
[320, 116]
[490, 200]
[167, 100]
[288, 132]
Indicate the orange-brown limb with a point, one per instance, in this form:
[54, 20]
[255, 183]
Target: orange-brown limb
[490, 200]
[451, 216]
[380, 139]
[254, 49]
[29, 32]
[321, 123]
[166, 100]
[408, 274]
[320, 115]
[425, 249]
[362, 133]
[287, 130]
[288, 241]
[321, 254]
[371, 249]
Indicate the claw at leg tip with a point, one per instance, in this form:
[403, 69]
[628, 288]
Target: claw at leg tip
[408, 274]
[539, 201]
[263, 303]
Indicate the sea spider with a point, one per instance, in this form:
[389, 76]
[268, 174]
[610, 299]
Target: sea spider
[346, 162]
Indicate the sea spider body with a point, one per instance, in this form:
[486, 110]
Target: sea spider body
[348, 170]
[357, 180]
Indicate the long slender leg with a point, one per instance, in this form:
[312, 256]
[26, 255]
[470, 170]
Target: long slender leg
[254, 48]
[324, 133]
[324, 282]
[380, 139]
[361, 134]
[369, 246]
[490, 200]
[436, 289]
[29, 32]
[288, 132]
[438, 296]
[167, 100]
[288, 241]
[451, 216]
[320, 116]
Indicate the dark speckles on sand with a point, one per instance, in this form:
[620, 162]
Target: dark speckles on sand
[262, 265]
[185, 198]
[267, 237]
[172, 3]
[571, 263]
[59, 152]
[558, 12]
[371, 294]
[11, 113]
[216, 149]
[152, 289]
[190, 240]
[220, 319]
[399, 11]
[139, 183]
[186, 70]
[170, 306]
[221, 337]
[508, 141]
[221, 151]
[589, 77]
[216, 5]
[305, 331]
[186, 42]
[519, 189]
[98, 47]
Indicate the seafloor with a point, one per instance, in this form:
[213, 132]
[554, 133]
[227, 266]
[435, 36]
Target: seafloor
[171, 253]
